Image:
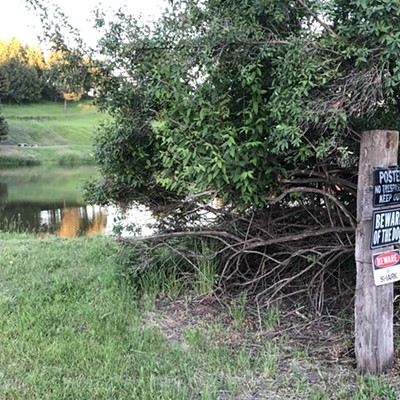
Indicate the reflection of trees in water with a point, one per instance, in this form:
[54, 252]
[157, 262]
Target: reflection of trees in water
[77, 222]
[3, 195]
[62, 221]
[98, 224]
[70, 222]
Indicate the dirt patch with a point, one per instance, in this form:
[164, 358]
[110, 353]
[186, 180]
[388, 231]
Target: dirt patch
[320, 337]
[329, 339]
[317, 352]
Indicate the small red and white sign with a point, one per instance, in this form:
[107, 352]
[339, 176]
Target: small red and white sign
[386, 267]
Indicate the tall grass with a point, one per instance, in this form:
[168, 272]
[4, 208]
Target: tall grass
[16, 161]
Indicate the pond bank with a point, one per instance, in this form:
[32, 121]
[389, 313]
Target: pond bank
[12, 155]
[49, 199]
[50, 135]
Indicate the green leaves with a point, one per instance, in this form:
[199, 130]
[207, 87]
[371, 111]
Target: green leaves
[224, 97]
[3, 128]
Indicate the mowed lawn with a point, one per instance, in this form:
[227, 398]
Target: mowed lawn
[45, 123]
[57, 135]
[71, 329]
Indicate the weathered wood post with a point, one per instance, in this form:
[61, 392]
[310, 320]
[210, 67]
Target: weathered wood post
[374, 346]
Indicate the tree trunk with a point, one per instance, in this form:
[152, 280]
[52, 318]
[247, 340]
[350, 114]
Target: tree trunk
[373, 304]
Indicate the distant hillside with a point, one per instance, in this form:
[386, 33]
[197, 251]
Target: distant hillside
[55, 135]
[45, 123]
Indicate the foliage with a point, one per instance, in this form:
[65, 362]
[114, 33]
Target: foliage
[20, 72]
[11, 49]
[24, 84]
[261, 104]
[25, 75]
[243, 95]
[205, 86]
[188, 265]
[3, 128]
[4, 82]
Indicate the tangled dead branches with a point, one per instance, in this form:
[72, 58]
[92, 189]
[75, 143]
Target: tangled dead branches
[301, 243]
[355, 93]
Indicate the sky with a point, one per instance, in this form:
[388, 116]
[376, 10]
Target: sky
[16, 20]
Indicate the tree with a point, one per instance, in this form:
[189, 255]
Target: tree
[3, 128]
[33, 57]
[21, 70]
[11, 49]
[260, 103]
[4, 82]
[24, 83]
[66, 76]
[245, 95]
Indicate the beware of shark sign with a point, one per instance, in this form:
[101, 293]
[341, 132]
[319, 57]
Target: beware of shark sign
[386, 267]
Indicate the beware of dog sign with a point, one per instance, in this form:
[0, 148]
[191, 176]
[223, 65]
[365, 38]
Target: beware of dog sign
[385, 228]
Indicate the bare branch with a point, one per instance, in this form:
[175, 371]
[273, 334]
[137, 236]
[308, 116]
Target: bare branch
[318, 19]
[317, 191]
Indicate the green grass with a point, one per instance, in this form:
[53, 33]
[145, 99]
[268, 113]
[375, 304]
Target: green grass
[61, 137]
[63, 155]
[72, 326]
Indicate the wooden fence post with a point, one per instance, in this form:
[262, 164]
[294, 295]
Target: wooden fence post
[374, 346]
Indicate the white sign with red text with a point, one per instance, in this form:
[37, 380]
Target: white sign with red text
[386, 267]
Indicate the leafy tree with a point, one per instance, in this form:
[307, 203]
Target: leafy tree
[50, 89]
[66, 76]
[3, 128]
[24, 83]
[21, 70]
[4, 82]
[206, 87]
[33, 57]
[21, 60]
[259, 102]
[244, 94]
[11, 49]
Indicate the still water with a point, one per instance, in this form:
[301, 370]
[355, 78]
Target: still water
[48, 200]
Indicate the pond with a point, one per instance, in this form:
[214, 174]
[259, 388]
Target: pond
[48, 200]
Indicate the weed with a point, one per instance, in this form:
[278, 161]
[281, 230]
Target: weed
[373, 388]
[300, 352]
[75, 159]
[13, 225]
[16, 161]
[150, 272]
[319, 395]
[270, 360]
[271, 317]
[206, 275]
[195, 337]
[237, 308]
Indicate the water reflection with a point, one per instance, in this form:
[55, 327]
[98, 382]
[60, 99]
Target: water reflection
[50, 202]
[74, 221]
